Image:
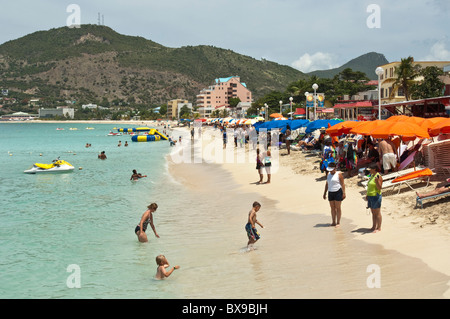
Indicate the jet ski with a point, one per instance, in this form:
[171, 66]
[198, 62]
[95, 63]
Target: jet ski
[114, 134]
[57, 166]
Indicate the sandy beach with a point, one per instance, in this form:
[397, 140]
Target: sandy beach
[297, 188]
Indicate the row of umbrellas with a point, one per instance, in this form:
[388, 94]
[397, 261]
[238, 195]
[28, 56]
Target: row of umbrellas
[405, 126]
[233, 121]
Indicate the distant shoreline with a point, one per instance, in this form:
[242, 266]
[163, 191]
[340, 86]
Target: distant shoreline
[145, 122]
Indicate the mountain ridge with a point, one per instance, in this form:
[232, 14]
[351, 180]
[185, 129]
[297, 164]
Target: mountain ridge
[366, 63]
[95, 63]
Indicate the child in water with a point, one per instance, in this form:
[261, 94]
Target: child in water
[163, 263]
[252, 233]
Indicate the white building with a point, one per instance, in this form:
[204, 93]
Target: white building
[241, 109]
[59, 111]
[93, 107]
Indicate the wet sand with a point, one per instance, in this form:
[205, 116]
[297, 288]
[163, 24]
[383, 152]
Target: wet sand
[301, 256]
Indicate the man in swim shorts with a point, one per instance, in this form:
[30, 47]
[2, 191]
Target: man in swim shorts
[388, 155]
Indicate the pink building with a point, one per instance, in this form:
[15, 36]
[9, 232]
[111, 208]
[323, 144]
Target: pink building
[218, 95]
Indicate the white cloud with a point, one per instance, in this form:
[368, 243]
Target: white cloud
[438, 52]
[316, 61]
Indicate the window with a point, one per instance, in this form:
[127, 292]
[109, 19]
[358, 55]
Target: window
[400, 92]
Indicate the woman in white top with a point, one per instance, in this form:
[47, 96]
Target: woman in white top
[335, 187]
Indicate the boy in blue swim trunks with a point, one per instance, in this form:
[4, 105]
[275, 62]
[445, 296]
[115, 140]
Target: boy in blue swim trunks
[252, 233]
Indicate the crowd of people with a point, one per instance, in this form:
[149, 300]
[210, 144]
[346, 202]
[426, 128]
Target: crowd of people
[339, 157]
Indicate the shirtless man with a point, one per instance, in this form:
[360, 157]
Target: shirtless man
[388, 155]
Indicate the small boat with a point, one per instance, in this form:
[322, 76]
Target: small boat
[89, 128]
[73, 129]
[59, 129]
[57, 166]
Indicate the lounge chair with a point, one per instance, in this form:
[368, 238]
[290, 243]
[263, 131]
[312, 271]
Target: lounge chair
[415, 176]
[392, 176]
[420, 200]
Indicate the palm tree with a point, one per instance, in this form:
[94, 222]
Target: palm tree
[406, 72]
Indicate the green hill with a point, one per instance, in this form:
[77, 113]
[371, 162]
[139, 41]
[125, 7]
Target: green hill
[95, 63]
[366, 63]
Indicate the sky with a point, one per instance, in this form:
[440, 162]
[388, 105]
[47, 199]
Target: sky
[306, 35]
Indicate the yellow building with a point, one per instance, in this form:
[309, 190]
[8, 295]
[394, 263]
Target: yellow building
[388, 78]
[173, 107]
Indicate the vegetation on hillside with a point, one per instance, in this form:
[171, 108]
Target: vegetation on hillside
[366, 63]
[132, 75]
[96, 63]
[347, 82]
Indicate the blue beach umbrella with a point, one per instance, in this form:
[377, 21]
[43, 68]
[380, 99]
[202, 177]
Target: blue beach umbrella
[281, 124]
[317, 124]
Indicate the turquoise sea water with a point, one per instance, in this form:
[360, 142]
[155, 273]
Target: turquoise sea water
[86, 218]
[48, 223]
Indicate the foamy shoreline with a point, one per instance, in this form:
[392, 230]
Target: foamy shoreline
[403, 227]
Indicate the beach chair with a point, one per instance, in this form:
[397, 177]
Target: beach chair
[419, 201]
[391, 176]
[408, 179]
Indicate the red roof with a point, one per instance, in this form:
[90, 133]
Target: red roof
[356, 104]
[299, 111]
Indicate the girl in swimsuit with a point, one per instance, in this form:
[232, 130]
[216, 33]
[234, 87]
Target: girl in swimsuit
[147, 218]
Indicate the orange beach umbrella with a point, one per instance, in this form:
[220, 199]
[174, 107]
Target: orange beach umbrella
[415, 120]
[397, 118]
[440, 127]
[364, 128]
[433, 120]
[276, 115]
[399, 128]
[341, 128]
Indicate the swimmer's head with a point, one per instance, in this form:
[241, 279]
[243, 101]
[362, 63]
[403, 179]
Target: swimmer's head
[160, 260]
[153, 206]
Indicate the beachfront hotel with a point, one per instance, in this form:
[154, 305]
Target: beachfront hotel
[389, 94]
[174, 107]
[217, 96]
